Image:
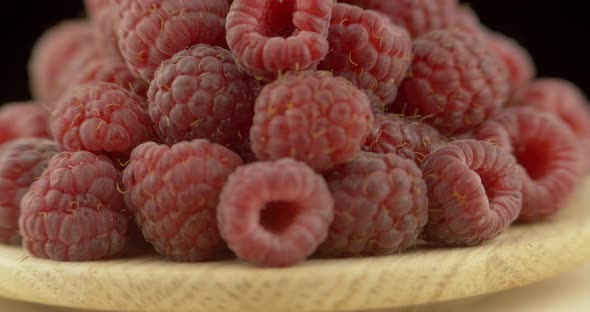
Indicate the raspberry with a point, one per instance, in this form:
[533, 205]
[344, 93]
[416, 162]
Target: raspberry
[310, 116]
[270, 38]
[21, 162]
[100, 117]
[96, 7]
[516, 59]
[562, 99]
[174, 191]
[151, 31]
[109, 69]
[473, 192]
[275, 213]
[520, 65]
[201, 93]
[23, 119]
[104, 31]
[73, 212]
[368, 50]
[406, 137]
[380, 206]
[454, 81]
[466, 19]
[54, 51]
[546, 149]
[417, 16]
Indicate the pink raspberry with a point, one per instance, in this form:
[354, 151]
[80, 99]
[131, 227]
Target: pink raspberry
[417, 16]
[151, 31]
[310, 116]
[54, 51]
[406, 137]
[109, 69]
[100, 117]
[368, 50]
[518, 61]
[562, 99]
[270, 38]
[380, 206]
[173, 193]
[275, 213]
[21, 162]
[201, 93]
[474, 193]
[96, 7]
[454, 81]
[546, 149]
[74, 212]
[23, 119]
[466, 19]
[105, 30]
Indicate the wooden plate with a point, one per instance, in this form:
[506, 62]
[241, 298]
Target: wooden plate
[522, 255]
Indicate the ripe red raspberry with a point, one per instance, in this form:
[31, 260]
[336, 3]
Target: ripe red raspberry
[74, 212]
[151, 31]
[380, 206]
[406, 137]
[100, 117]
[368, 50]
[96, 7]
[201, 93]
[173, 193]
[417, 16]
[310, 116]
[474, 193]
[454, 80]
[23, 119]
[109, 69]
[518, 61]
[547, 150]
[104, 25]
[562, 99]
[21, 162]
[275, 213]
[270, 38]
[54, 51]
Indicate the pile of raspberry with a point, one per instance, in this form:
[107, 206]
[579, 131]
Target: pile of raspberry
[282, 130]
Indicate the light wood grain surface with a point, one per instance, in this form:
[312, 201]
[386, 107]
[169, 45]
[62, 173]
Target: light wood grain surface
[523, 255]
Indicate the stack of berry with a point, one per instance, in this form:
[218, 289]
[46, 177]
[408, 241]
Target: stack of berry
[282, 130]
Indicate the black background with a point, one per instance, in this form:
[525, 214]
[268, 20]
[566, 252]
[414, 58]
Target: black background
[554, 32]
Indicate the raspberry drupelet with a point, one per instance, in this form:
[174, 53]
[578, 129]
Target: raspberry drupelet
[310, 116]
[368, 50]
[546, 148]
[21, 162]
[275, 213]
[100, 117]
[380, 206]
[74, 212]
[474, 193]
[151, 31]
[173, 193]
[201, 93]
[270, 37]
[454, 81]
